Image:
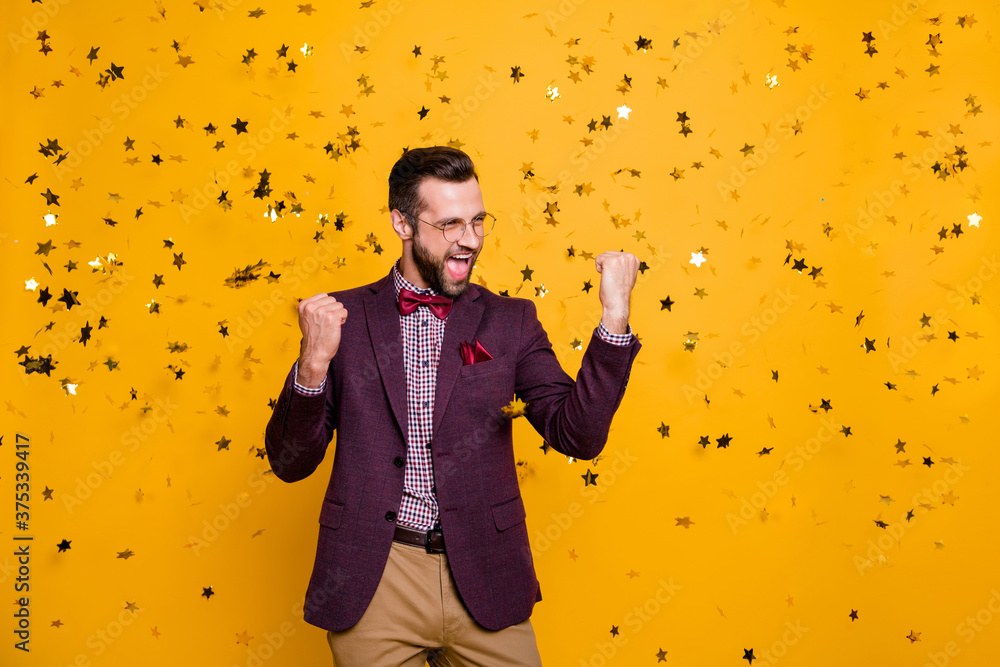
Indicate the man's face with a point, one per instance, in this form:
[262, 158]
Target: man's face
[435, 257]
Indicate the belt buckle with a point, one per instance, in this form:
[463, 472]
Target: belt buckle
[427, 541]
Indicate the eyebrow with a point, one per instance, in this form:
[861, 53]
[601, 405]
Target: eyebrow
[455, 217]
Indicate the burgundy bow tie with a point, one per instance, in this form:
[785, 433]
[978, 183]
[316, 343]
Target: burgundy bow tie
[409, 300]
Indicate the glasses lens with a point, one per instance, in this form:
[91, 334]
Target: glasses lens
[484, 225]
[453, 230]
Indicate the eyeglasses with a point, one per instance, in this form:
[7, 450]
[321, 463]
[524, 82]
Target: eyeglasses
[454, 229]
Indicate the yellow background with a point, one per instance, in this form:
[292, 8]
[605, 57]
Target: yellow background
[781, 546]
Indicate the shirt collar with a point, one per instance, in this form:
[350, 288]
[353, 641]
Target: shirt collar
[399, 282]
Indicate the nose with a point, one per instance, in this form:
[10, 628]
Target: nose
[469, 232]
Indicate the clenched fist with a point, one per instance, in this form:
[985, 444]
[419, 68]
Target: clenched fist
[320, 319]
[618, 274]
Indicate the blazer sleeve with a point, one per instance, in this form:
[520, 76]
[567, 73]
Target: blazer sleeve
[300, 429]
[574, 417]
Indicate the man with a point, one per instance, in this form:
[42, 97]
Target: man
[423, 549]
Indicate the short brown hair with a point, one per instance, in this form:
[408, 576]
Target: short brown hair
[441, 162]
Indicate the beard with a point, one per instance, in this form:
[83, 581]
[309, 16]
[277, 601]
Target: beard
[435, 273]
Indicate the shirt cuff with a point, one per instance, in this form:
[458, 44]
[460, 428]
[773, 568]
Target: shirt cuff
[306, 391]
[615, 339]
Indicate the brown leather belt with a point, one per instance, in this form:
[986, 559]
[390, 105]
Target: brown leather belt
[432, 540]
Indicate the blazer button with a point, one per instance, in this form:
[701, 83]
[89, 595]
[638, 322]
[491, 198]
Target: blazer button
[390, 516]
[398, 461]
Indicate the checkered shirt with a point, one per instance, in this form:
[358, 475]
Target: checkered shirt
[422, 333]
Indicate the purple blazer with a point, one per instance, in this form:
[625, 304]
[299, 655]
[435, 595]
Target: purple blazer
[481, 511]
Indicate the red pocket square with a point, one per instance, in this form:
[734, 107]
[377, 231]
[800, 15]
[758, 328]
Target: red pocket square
[473, 355]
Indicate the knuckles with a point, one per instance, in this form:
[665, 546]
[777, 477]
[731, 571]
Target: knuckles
[309, 307]
[333, 316]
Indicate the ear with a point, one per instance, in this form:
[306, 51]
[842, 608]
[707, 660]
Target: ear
[401, 225]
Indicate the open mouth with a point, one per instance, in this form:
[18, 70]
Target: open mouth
[459, 265]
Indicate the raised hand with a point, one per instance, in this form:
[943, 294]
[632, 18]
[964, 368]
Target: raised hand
[618, 272]
[320, 319]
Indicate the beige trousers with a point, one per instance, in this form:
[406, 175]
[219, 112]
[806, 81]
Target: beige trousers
[417, 616]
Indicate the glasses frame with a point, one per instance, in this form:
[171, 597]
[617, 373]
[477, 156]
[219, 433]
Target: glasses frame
[465, 225]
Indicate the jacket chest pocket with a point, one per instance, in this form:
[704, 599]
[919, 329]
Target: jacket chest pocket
[483, 389]
[494, 365]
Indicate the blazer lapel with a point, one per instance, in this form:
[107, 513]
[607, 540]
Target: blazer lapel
[382, 315]
[463, 321]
